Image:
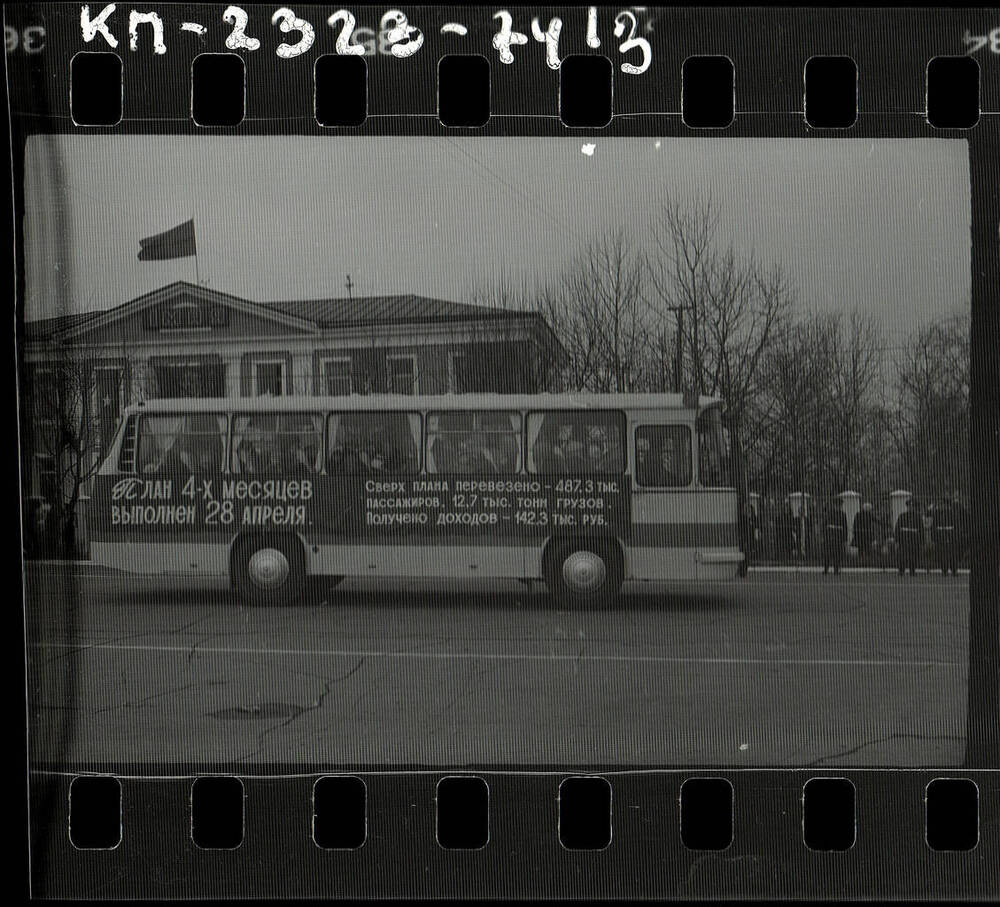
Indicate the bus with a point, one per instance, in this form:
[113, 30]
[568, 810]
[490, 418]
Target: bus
[582, 491]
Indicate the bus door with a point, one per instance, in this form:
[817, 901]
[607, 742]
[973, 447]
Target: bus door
[664, 502]
[719, 555]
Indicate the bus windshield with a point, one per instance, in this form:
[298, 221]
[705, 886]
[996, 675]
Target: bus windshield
[713, 450]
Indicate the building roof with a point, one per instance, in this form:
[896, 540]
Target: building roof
[323, 313]
[387, 310]
[582, 401]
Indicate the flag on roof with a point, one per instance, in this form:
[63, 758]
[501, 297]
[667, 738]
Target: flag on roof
[177, 242]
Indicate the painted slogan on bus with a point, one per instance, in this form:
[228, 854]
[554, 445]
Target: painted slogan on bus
[351, 506]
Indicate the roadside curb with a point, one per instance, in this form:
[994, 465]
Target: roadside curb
[844, 571]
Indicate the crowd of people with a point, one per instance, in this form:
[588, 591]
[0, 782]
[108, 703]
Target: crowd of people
[934, 533]
[469, 443]
[565, 445]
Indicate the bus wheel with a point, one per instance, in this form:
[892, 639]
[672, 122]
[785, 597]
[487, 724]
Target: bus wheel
[583, 574]
[269, 571]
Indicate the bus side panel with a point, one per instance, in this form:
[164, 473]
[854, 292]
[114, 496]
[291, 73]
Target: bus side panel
[166, 557]
[719, 555]
[444, 558]
[666, 534]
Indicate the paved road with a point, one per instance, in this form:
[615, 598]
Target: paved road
[778, 670]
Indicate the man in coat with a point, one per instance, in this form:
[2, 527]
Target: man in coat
[834, 535]
[909, 533]
[944, 535]
[863, 530]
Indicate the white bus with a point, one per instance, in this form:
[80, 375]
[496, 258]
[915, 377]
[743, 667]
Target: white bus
[583, 491]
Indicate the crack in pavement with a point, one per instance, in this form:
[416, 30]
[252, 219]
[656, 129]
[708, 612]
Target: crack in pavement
[472, 675]
[318, 704]
[193, 623]
[94, 645]
[138, 702]
[201, 641]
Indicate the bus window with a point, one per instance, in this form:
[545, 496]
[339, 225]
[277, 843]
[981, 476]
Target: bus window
[182, 443]
[359, 443]
[713, 451]
[289, 443]
[587, 442]
[474, 442]
[663, 456]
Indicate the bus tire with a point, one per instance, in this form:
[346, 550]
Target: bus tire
[269, 570]
[584, 574]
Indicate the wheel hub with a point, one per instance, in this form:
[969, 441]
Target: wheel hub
[584, 571]
[268, 568]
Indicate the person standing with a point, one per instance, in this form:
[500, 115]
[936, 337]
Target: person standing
[863, 530]
[834, 535]
[909, 533]
[944, 535]
[963, 540]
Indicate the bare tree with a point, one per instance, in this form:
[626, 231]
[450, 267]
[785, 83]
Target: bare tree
[68, 425]
[930, 424]
[525, 363]
[855, 376]
[728, 307]
[597, 308]
[796, 379]
[606, 285]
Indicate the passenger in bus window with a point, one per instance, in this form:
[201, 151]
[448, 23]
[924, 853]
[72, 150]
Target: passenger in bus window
[250, 455]
[373, 455]
[642, 447]
[502, 449]
[547, 461]
[404, 456]
[668, 474]
[445, 454]
[342, 458]
[149, 458]
[477, 455]
[603, 449]
[569, 450]
[304, 455]
[188, 457]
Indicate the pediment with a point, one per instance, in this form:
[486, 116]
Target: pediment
[184, 309]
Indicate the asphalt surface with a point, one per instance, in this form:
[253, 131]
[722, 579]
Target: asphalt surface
[780, 669]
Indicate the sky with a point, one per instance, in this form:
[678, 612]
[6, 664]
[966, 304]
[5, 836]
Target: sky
[881, 224]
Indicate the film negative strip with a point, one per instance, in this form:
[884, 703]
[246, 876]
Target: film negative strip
[508, 453]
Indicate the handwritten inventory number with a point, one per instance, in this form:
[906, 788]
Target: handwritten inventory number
[395, 35]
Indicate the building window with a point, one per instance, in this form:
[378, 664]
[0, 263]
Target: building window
[458, 364]
[189, 378]
[46, 395]
[335, 376]
[269, 378]
[402, 373]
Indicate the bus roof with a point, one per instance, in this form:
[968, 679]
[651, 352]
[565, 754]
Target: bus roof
[411, 402]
